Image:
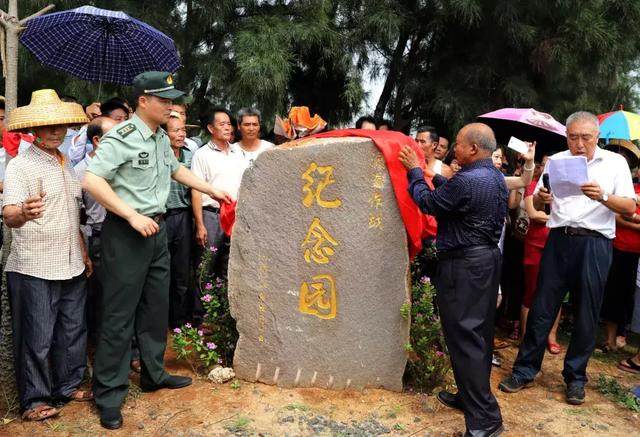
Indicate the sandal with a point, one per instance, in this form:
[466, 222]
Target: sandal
[605, 349]
[554, 348]
[81, 396]
[41, 412]
[629, 365]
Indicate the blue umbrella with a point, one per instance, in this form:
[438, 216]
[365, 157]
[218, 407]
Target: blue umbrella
[99, 45]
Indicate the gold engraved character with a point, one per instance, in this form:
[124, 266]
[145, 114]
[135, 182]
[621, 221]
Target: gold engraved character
[319, 297]
[375, 221]
[376, 200]
[318, 243]
[311, 194]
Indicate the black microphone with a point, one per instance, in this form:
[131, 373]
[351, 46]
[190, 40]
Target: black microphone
[547, 185]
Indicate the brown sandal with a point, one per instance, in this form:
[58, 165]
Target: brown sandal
[41, 412]
[81, 396]
[629, 365]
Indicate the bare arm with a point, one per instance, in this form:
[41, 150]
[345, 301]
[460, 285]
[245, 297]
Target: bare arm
[514, 199]
[533, 213]
[516, 182]
[15, 216]
[100, 189]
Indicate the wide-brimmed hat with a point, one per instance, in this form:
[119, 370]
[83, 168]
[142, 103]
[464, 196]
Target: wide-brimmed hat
[631, 148]
[46, 109]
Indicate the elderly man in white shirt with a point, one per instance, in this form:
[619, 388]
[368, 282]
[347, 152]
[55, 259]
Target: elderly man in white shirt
[576, 258]
[221, 166]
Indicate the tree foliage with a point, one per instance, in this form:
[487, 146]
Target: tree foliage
[441, 62]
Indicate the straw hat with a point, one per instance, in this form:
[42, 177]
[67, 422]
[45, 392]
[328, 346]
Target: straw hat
[634, 152]
[46, 109]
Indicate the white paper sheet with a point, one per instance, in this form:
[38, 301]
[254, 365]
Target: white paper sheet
[518, 145]
[566, 174]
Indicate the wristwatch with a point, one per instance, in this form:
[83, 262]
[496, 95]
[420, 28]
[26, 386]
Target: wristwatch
[604, 198]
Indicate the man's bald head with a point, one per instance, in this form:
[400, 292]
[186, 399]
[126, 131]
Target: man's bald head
[481, 135]
[475, 141]
[98, 127]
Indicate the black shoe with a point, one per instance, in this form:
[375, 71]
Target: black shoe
[450, 400]
[575, 394]
[111, 418]
[512, 384]
[494, 431]
[172, 382]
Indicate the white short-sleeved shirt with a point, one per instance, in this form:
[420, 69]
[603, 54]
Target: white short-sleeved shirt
[251, 156]
[611, 172]
[221, 169]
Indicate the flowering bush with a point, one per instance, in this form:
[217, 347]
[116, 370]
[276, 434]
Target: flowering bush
[215, 340]
[428, 364]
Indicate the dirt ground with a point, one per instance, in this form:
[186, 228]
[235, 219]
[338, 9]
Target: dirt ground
[241, 408]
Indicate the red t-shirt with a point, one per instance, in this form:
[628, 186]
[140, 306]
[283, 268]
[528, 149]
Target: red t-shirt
[628, 240]
[538, 232]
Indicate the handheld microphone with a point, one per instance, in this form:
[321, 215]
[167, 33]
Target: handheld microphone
[547, 185]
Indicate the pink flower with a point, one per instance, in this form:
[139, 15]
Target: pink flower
[425, 280]
[208, 286]
[439, 353]
[177, 331]
[219, 282]
[211, 346]
[213, 249]
[207, 298]
[188, 325]
[200, 333]
[219, 360]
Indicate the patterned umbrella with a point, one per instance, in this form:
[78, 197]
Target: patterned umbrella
[99, 45]
[620, 125]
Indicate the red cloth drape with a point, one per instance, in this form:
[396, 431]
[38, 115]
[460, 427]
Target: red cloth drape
[11, 141]
[389, 143]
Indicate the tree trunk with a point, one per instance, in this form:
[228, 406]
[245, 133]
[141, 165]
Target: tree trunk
[11, 82]
[394, 71]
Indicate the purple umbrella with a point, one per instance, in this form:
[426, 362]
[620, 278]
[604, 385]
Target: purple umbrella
[99, 45]
[527, 124]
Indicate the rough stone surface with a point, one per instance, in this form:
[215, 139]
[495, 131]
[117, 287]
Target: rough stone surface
[347, 232]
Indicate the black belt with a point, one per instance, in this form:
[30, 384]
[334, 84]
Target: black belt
[211, 209]
[172, 211]
[459, 253]
[578, 232]
[158, 218]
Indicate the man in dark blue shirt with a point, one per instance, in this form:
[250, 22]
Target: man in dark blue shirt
[470, 209]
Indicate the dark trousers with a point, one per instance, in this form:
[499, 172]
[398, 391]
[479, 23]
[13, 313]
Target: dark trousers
[49, 337]
[135, 281]
[617, 304]
[94, 287]
[467, 293]
[217, 239]
[180, 238]
[580, 265]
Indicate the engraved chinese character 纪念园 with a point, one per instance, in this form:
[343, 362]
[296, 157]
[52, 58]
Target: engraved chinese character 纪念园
[311, 192]
[319, 298]
[318, 243]
[375, 221]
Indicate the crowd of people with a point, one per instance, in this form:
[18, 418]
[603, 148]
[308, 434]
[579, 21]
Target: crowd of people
[112, 206]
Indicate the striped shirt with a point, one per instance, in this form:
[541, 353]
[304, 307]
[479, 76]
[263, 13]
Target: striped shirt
[178, 193]
[47, 247]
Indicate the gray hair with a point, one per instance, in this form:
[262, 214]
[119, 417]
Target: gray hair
[248, 112]
[583, 116]
[482, 135]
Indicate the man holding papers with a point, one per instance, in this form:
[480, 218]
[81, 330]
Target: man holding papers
[589, 186]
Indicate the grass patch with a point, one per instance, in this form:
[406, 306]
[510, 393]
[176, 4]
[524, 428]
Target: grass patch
[238, 425]
[235, 385]
[616, 392]
[395, 410]
[297, 406]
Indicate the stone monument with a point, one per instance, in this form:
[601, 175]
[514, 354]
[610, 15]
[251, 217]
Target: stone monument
[319, 269]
